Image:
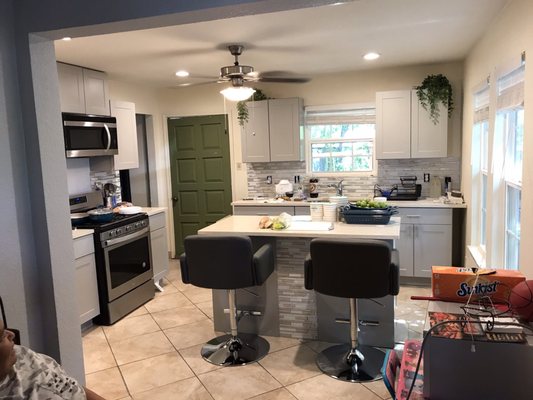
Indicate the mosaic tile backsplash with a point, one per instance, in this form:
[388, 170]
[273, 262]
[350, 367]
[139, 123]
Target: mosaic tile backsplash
[389, 172]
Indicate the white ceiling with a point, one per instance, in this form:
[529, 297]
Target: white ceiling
[307, 42]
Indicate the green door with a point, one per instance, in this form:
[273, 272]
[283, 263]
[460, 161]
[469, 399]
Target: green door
[200, 171]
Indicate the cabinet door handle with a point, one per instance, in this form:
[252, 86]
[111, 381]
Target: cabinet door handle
[253, 133]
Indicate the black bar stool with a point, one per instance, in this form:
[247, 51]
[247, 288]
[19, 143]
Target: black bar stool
[353, 269]
[228, 262]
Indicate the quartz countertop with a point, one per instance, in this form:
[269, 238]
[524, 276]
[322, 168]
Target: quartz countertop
[153, 210]
[422, 203]
[249, 225]
[78, 233]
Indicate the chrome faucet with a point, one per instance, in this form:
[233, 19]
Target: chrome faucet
[338, 186]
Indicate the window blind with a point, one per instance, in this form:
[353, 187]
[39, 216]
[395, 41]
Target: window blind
[481, 105]
[340, 116]
[511, 89]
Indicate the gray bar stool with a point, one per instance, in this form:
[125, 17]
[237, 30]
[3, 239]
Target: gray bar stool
[353, 269]
[228, 262]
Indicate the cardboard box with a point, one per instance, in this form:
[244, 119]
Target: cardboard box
[456, 284]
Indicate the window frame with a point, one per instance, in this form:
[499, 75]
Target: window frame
[309, 142]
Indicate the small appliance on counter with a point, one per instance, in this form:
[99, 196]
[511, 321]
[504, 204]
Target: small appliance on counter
[284, 186]
[408, 189]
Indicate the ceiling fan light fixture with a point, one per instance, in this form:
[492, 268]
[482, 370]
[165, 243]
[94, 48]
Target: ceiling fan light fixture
[239, 93]
[371, 56]
[182, 73]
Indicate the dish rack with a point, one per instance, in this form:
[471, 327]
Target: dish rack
[407, 190]
[369, 216]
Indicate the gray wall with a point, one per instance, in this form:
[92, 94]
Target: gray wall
[37, 274]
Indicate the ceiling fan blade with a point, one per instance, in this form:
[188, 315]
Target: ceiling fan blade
[284, 80]
[280, 76]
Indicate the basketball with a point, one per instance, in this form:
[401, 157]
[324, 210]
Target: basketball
[521, 300]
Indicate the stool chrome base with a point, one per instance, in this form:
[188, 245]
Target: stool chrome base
[340, 362]
[229, 350]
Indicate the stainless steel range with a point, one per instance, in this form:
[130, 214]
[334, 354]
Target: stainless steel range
[123, 259]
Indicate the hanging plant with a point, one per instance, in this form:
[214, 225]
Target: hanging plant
[435, 89]
[242, 108]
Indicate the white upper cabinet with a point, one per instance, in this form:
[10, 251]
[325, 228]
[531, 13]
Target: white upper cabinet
[82, 90]
[273, 131]
[128, 153]
[427, 139]
[393, 124]
[404, 129]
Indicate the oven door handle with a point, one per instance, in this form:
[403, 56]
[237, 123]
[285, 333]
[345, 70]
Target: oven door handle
[127, 238]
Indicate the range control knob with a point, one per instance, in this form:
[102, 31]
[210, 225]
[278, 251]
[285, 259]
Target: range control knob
[119, 231]
[112, 233]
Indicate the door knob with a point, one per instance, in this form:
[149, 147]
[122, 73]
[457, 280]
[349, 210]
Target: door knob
[174, 199]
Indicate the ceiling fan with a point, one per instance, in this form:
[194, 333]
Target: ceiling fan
[238, 74]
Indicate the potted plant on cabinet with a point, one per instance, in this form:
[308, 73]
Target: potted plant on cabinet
[435, 89]
[242, 108]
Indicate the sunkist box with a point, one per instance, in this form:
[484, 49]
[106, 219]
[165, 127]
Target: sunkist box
[456, 284]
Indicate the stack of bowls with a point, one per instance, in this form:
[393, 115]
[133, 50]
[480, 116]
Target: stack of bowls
[339, 200]
[330, 212]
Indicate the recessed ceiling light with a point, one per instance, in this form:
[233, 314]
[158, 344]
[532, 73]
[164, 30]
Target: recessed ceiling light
[371, 56]
[67, 38]
[338, 3]
[184, 84]
[182, 73]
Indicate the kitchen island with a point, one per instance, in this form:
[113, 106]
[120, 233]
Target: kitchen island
[287, 308]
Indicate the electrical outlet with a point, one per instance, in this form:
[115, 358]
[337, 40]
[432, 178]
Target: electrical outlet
[426, 177]
[269, 179]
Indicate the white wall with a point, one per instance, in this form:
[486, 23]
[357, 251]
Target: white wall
[509, 35]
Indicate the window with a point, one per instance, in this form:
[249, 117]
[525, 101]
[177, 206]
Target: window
[480, 157]
[497, 153]
[340, 139]
[509, 130]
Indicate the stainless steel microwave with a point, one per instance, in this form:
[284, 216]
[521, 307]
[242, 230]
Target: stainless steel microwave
[89, 135]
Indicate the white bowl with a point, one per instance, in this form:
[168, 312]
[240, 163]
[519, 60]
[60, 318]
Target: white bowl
[380, 199]
[338, 199]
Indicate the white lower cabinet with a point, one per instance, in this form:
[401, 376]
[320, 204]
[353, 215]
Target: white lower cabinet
[425, 240]
[158, 243]
[86, 283]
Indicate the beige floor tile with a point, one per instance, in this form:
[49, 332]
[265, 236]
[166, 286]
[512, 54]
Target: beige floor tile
[278, 394]
[323, 387]
[198, 294]
[206, 307]
[141, 347]
[191, 334]
[239, 382]
[178, 316]
[192, 356]
[188, 389]
[107, 383]
[97, 354]
[291, 365]
[154, 372]
[280, 343]
[130, 327]
[379, 388]
[140, 311]
[161, 303]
